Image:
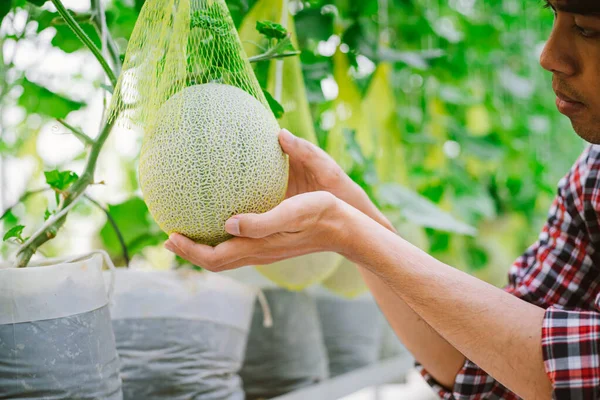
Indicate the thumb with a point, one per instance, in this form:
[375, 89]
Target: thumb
[256, 226]
[290, 216]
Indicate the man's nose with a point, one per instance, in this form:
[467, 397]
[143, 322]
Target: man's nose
[557, 56]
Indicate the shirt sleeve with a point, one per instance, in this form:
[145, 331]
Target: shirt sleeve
[571, 349]
[472, 383]
[561, 270]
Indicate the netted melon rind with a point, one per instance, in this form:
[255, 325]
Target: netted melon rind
[214, 153]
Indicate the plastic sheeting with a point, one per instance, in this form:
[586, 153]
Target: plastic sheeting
[56, 340]
[181, 334]
[291, 354]
[352, 330]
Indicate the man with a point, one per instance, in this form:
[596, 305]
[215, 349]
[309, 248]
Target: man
[540, 337]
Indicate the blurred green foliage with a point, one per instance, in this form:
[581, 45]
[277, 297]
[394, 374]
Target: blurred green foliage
[470, 110]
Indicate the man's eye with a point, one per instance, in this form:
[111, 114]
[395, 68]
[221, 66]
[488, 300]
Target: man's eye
[585, 32]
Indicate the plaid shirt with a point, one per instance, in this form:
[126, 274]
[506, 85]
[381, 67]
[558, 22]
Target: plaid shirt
[560, 273]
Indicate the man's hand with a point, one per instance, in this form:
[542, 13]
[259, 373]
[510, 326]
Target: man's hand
[312, 169]
[307, 223]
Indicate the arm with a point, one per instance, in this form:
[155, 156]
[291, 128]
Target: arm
[559, 273]
[504, 339]
[461, 308]
[312, 169]
[492, 327]
[440, 358]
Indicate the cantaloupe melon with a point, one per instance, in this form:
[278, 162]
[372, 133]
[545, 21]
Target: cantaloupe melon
[212, 153]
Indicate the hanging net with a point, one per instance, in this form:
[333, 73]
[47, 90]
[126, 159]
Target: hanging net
[176, 44]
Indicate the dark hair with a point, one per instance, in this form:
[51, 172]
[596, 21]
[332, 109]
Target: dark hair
[582, 7]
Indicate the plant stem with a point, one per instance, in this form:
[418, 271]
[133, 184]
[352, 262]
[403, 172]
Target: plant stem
[85, 39]
[275, 52]
[73, 194]
[85, 139]
[114, 225]
[269, 55]
[49, 230]
[113, 49]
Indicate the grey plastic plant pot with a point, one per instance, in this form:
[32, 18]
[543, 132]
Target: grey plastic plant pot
[352, 330]
[289, 355]
[56, 340]
[181, 335]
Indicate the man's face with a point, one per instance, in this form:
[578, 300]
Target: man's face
[572, 54]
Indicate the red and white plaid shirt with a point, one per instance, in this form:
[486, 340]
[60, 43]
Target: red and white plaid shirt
[560, 273]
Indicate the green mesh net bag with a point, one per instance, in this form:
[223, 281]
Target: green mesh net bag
[176, 44]
[210, 147]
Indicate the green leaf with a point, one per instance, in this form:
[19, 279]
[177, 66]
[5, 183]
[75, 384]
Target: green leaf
[38, 3]
[415, 59]
[47, 214]
[4, 9]
[135, 224]
[239, 9]
[271, 30]
[39, 100]
[274, 104]
[60, 180]
[7, 5]
[312, 25]
[14, 232]
[421, 210]
[64, 38]
[9, 218]
[139, 4]
[205, 20]
[353, 148]
[121, 17]
[363, 171]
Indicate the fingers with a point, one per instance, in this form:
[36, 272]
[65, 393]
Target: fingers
[303, 151]
[290, 216]
[311, 158]
[211, 258]
[287, 230]
[235, 253]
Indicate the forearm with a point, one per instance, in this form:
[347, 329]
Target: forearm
[352, 194]
[438, 356]
[495, 330]
[440, 359]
